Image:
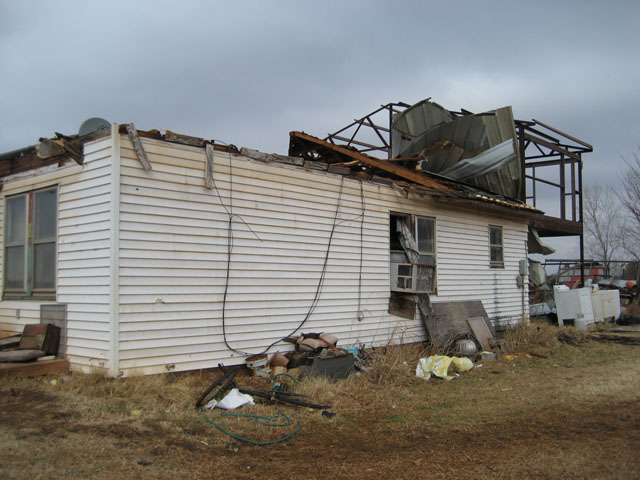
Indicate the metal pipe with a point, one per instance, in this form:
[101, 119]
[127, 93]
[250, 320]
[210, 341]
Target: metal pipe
[581, 222]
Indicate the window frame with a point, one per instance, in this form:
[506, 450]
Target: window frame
[494, 263]
[29, 291]
[412, 222]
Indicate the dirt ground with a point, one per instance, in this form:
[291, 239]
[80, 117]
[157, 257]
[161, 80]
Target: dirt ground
[572, 412]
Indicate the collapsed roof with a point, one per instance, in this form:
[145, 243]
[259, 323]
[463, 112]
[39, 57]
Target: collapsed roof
[479, 149]
[429, 150]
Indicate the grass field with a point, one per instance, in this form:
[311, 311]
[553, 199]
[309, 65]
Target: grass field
[547, 410]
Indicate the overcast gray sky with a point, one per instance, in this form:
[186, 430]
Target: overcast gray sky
[248, 72]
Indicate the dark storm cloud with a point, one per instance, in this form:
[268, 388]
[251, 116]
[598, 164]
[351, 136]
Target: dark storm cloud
[249, 72]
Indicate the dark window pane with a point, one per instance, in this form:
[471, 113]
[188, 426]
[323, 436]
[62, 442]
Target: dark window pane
[496, 254]
[425, 235]
[44, 266]
[45, 215]
[495, 237]
[14, 268]
[405, 270]
[16, 223]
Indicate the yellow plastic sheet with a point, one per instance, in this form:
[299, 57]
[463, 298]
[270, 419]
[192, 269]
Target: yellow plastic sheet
[442, 366]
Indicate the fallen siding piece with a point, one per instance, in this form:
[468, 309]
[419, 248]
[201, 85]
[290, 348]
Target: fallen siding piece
[137, 145]
[208, 169]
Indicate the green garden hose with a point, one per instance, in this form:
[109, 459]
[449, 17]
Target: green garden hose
[269, 421]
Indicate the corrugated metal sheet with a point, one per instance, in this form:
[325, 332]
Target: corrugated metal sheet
[428, 130]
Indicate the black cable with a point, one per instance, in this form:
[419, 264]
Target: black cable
[316, 298]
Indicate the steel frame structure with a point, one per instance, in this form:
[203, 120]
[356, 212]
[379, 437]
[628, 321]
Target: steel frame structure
[541, 146]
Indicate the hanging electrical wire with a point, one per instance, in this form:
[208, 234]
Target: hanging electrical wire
[319, 286]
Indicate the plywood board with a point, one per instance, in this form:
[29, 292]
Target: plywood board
[480, 331]
[448, 321]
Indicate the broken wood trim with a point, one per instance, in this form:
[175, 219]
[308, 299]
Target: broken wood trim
[208, 168]
[174, 137]
[137, 146]
[547, 226]
[373, 162]
[70, 146]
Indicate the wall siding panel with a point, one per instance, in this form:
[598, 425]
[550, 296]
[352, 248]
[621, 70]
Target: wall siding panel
[174, 243]
[83, 254]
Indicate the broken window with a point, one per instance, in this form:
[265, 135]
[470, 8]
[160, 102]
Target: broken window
[30, 243]
[412, 250]
[496, 246]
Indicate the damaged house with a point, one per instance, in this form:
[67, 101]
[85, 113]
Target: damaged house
[156, 251]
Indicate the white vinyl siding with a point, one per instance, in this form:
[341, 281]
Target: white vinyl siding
[171, 241]
[173, 254]
[82, 273]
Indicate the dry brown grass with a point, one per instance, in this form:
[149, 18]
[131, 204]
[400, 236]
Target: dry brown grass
[394, 365]
[633, 308]
[570, 415]
[531, 337]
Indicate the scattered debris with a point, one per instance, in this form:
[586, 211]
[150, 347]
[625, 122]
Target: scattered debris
[219, 388]
[564, 338]
[442, 366]
[7, 343]
[485, 356]
[628, 320]
[232, 400]
[270, 421]
[38, 341]
[465, 347]
[481, 331]
[18, 356]
[258, 365]
[448, 322]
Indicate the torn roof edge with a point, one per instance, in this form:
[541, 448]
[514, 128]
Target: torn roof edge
[381, 170]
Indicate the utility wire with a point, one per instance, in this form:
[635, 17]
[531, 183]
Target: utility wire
[316, 298]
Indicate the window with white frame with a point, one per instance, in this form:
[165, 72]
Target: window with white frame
[30, 226]
[496, 246]
[413, 253]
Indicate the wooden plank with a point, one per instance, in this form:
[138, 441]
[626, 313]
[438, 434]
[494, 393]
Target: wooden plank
[137, 145]
[381, 164]
[208, 170]
[33, 369]
[481, 331]
[183, 139]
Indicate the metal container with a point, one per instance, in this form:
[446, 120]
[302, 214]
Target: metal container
[258, 365]
[466, 348]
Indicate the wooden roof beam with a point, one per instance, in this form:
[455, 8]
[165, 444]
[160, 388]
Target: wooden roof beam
[374, 162]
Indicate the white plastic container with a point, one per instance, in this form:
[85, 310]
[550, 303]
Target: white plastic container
[574, 306]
